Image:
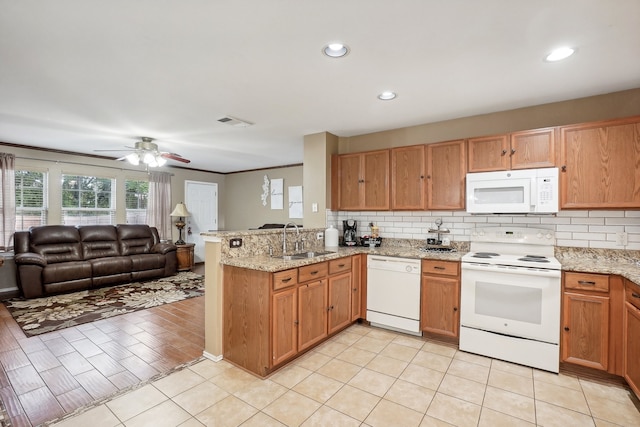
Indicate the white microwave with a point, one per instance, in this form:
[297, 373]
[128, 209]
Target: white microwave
[516, 191]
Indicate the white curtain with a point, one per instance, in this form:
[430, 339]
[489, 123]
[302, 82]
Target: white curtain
[7, 200]
[159, 206]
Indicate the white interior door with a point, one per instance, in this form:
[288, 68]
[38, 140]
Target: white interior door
[201, 199]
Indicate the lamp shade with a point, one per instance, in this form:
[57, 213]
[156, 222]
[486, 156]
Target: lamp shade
[180, 210]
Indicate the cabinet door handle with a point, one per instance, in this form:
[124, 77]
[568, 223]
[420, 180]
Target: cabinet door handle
[355, 289]
[288, 279]
[340, 265]
[313, 273]
[563, 168]
[566, 328]
[633, 294]
[455, 308]
[295, 322]
[437, 267]
[586, 282]
[513, 151]
[503, 152]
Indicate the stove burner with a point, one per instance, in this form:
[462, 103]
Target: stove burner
[484, 255]
[528, 258]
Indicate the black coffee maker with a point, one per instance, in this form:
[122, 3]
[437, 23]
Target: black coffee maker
[349, 232]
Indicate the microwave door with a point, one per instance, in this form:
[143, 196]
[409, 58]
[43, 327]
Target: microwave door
[500, 196]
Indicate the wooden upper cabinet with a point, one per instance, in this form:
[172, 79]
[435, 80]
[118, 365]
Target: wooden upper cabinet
[600, 165]
[533, 149]
[408, 178]
[518, 150]
[446, 170]
[489, 153]
[363, 181]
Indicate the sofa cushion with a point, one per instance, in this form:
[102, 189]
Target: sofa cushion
[135, 239]
[99, 241]
[110, 266]
[56, 243]
[67, 271]
[147, 262]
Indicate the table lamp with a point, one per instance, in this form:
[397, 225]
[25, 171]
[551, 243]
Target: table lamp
[181, 212]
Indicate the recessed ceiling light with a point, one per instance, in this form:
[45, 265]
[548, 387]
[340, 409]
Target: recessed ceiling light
[387, 95]
[559, 54]
[335, 50]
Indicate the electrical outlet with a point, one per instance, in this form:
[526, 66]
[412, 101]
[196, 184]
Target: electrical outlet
[235, 243]
[621, 239]
[320, 235]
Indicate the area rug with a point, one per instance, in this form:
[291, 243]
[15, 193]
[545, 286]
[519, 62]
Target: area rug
[40, 315]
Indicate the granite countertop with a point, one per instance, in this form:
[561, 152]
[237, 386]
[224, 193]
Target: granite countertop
[273, 264]
[622, 263]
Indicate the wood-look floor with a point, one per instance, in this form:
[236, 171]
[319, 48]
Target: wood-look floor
[49, 375]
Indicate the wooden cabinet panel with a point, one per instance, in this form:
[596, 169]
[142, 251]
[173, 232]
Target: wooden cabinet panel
[408, 178]
[284, 279]
[246, 318]
[586, 282]
[349, 181]
[185, 256]
[440, 298]
[339, 313]
[533, 149]
[600, 165]
[446, 171]
[585, 330]
[284, 341]
[631, 355]
[376, 180]
[312, 313]
[363, 181]
[356, 287]
[313, 272]
[489, 153]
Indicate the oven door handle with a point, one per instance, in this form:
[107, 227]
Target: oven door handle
[510, 269]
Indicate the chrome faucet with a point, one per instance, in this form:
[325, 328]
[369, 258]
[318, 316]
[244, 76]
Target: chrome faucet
[284, 236]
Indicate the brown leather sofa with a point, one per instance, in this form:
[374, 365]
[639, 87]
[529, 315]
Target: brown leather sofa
[52, 259]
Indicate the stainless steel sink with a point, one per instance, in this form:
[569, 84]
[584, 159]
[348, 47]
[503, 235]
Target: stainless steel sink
[305, 255]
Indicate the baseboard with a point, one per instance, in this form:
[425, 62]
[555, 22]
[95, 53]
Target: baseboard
[212, 357]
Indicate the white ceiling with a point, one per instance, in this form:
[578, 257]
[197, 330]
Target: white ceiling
[80, 75]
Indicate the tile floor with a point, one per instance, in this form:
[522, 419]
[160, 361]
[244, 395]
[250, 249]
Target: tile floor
[369, 377]
[49, 375]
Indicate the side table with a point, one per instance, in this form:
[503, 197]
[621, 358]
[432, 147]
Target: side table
[185, 256]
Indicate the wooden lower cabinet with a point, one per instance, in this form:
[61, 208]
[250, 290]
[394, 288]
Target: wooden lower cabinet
[585, 330]
[284, 341]
[270, 318]
[440, 298]
[312, 313]
[357, 286]
[632, 347]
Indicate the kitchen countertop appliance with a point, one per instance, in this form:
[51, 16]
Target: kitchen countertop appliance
[349, 227]
[393, 293]
[510, 297]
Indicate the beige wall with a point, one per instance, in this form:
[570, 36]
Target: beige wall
[318, 149]
[610, 106]
[242, 203]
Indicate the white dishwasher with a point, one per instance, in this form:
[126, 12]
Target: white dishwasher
[393, 293]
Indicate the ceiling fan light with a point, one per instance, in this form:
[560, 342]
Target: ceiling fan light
[133, 158]
[161, 161]
[148, 159]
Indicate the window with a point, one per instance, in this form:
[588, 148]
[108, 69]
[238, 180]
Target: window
[31, 199]
[88, 200]
[137, 196]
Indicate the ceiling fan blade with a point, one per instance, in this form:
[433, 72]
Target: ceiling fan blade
[174, 156]
[121, 149]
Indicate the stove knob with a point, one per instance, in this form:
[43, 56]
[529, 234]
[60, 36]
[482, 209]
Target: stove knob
[548, 236]
[539, 235]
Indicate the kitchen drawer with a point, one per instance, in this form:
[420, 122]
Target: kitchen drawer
[632, 294]
[313, 272]
[284, 279]
[446, 268]
[340, 265]
[586, 282]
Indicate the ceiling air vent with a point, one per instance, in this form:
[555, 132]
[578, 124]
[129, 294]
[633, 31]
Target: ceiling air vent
[232, 121]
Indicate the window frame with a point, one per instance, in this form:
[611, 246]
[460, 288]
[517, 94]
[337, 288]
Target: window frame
[85, 214]
[19, 196]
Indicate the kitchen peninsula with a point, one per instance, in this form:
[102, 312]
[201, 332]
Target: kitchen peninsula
[266, 280]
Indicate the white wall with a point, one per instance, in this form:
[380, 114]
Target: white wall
[587, 229]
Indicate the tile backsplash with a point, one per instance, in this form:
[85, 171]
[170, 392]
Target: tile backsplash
[584, 229]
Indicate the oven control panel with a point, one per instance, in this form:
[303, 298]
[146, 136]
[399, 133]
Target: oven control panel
[513, 235]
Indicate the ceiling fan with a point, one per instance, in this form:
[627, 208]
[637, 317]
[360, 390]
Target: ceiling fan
[147, 153]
